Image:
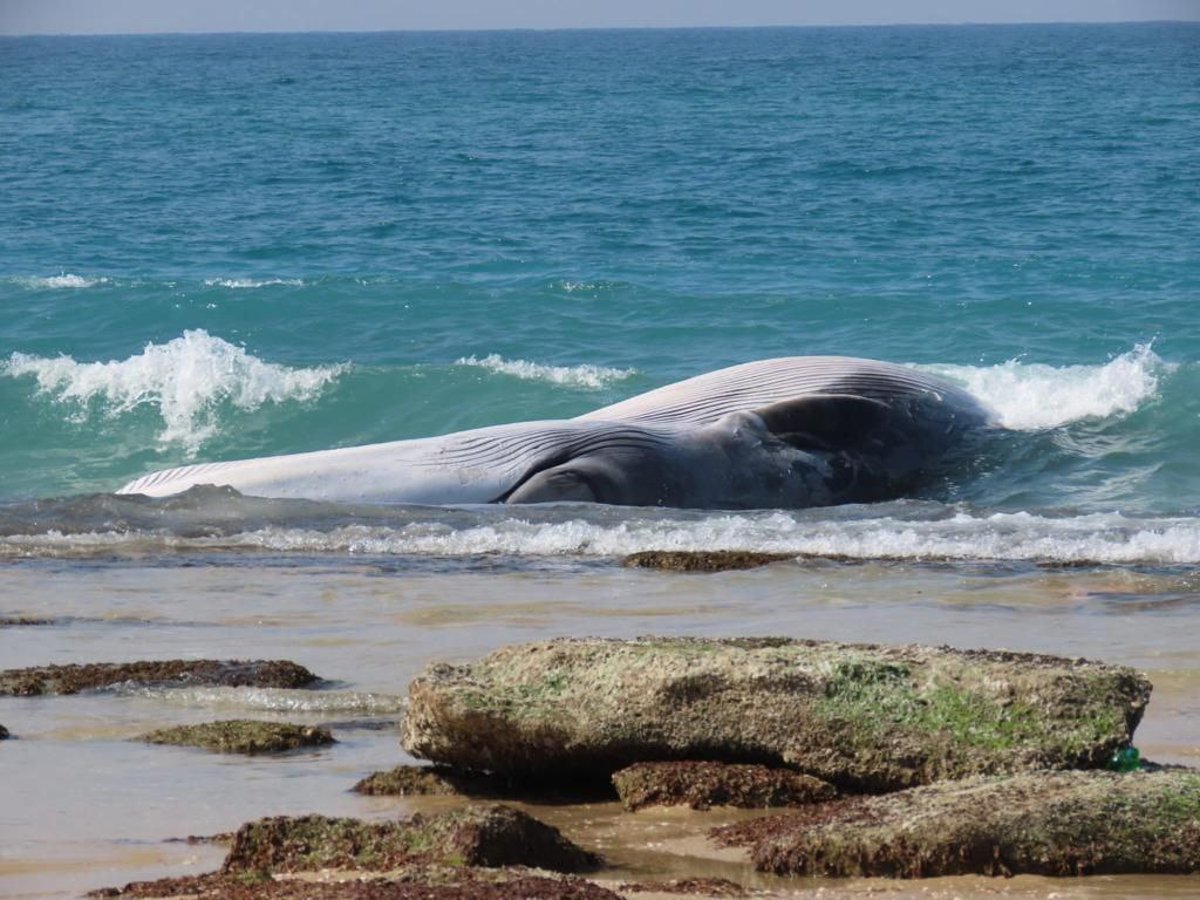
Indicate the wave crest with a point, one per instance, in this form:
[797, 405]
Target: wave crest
[582, 376]
[57, 282]
[243, 283]
[1034, 396]
[187, 379]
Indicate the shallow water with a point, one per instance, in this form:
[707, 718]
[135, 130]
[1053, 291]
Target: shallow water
[86, 807]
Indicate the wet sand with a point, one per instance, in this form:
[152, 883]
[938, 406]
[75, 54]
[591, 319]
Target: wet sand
[86, 807]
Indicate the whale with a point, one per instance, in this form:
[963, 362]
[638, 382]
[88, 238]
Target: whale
[790, 432]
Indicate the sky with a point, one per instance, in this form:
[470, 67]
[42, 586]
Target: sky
[150, 16]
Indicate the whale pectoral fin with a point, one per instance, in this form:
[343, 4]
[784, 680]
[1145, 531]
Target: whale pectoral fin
[554, 486]
[826, 421]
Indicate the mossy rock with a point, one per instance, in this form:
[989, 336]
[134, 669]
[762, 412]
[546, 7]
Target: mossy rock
[702, 785]
[242, 736]
[485, 835]
[71, 679]
[703, 560]
[410, 883]
[1046, 823]
[866, 718]
[405, 781]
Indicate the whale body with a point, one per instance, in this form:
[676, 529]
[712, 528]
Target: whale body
[779, 433]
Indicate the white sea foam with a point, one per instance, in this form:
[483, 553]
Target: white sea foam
[582, 376]
[187, 379]
[1031, 396]
[274, 699]
[238, 283]
[1107, 538]
[58, 282]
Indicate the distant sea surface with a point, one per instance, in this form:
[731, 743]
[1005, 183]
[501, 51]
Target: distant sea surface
[214, 247]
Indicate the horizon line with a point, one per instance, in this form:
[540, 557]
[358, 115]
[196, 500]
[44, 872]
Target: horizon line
[570, 28]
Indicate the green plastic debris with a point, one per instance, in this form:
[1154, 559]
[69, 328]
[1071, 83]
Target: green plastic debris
[1127, 759]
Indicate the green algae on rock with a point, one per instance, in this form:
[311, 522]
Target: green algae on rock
[411, 883]
[702, 785]
[862, 717]
[703, 560]
[1043, 823]
[71, 679]
[482, 835]
[242, 736]
[427, 780]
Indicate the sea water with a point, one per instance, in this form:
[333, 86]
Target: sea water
[223, 246]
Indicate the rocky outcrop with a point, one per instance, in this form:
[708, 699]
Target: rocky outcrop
[862, 717]
[481, 852]
[71, 679]
[1045, 823]
[454, 883]
[702, 785]
[485, 835]
[242, 736]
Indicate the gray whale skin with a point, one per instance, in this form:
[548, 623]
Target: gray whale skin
[779, 433]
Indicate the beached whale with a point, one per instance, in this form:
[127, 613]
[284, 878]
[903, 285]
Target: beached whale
[779, 433]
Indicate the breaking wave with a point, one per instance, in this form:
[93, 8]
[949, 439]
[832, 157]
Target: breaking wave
[186, 380]
[1033, 396]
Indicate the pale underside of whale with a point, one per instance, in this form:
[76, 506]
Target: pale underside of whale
[791, 432]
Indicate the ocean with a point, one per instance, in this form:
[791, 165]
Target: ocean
[222, 246]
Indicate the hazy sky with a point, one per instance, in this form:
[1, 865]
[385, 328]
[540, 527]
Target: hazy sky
[137, 16]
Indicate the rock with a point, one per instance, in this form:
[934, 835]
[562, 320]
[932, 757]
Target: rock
[427, 780]
[411, 884]
[702, 785]
[72, 679]
[860, 716]
[1045, 823]
[703, 560]
[19, 621]
[242, 736]
[485, 835]
[3, 732]
[707, 887]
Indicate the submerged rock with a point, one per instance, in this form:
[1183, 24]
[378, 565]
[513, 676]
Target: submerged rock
[242, 736]
[19, 621]
[863, 717]
[427, 780]
[707, 887]
[702, 785]
[1045, 823]
[486, 835]
[71, 679]
[703, 560]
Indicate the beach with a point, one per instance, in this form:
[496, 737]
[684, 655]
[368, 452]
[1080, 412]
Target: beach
[93, 807]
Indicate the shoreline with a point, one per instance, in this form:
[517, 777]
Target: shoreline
[371, 631]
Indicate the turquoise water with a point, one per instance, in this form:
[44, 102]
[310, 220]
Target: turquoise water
[234, 245]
